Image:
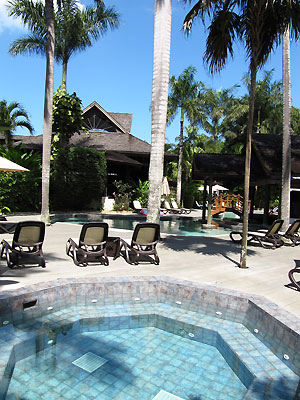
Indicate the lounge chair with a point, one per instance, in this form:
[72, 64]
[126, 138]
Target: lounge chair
[91, 245]
[6, 226]
[137, 206]
[27, 243]
[181, 210]
[143, 243]
[292, 233]
[169, 209]
[292, 278]
[268, 239]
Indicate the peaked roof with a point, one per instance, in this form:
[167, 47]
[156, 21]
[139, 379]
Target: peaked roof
[97, 119]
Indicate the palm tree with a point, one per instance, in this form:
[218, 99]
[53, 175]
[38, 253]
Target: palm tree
[75, 29]
[48, 107]
[286, 139]
[160, 83]
[260, 24]
[183, 96]
[11, 116]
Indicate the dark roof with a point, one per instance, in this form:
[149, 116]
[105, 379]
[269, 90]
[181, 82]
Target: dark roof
[268, 151]
[208, 165]
[266, 160]
[118, 142]
[102, 141]
[121, 159]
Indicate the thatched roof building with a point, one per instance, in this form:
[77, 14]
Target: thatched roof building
[127, 156]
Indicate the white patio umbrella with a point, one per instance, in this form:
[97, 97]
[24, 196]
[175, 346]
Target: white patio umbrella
[7, 165]
[215, 188]
[165, 190]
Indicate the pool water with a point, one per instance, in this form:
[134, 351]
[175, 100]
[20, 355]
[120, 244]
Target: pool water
[140, 363]
[176, 226]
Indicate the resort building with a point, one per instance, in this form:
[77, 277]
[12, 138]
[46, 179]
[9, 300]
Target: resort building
[127, 156]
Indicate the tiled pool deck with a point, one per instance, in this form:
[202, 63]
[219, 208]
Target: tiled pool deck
[213, 316]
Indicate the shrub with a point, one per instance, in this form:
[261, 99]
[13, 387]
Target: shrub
[78, 179]
[122, 196]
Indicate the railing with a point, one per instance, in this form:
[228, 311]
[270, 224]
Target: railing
[232, 202]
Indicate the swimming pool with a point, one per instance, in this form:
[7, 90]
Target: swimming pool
[144, 338]
[176, 225]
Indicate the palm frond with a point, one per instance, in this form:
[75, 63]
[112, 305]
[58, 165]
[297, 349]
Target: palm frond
[219, 44]
[29, 44]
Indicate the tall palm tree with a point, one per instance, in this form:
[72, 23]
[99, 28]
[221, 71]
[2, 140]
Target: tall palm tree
[286, 139]
[48, 107]
[11, 116]
[183, 96]
[160, 83]
[75, 28]
[259, 24]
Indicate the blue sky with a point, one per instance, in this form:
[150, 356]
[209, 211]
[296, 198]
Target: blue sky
[117, 71]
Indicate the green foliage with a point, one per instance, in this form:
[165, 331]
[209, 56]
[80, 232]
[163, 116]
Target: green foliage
[295, 120]
[20, 191]
[11, 116]
[67, 117]
[78, 179]
[140, 193]
[122, 196]
[190, 193]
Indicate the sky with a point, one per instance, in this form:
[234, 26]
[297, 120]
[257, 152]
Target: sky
[117, 70]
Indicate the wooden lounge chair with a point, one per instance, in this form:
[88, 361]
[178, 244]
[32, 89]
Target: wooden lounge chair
[6, 226]
[27, 243]
[91, 245]
[269, 239]
[181, 210]
[143, 243]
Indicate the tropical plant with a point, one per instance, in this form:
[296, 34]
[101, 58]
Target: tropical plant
[11, 116]
[67, 117]
[260, 24]
[214, 107]
[141, 193]
[183, 97]
[161, 62]
[122, 196]
[75, 28]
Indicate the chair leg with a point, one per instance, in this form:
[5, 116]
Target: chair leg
[292, 279]
[11, 258]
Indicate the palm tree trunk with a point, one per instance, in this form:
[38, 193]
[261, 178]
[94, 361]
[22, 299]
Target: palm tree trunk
[160, 86]
[48, 104]
[243, 257]
[64, 75]
[179, 172]
[286, 139]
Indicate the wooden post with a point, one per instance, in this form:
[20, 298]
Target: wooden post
[204, 201]
[209, 217]
[266, 205]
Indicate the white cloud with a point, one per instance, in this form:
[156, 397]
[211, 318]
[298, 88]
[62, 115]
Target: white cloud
[12, 23]
[7, 22]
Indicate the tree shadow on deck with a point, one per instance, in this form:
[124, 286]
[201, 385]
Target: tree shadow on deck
[204, 245]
